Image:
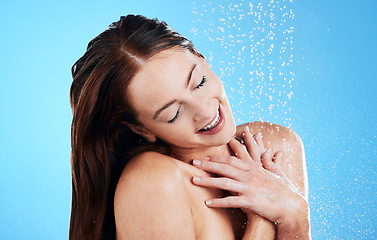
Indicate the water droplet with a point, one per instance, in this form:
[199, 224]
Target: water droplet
[258, 55]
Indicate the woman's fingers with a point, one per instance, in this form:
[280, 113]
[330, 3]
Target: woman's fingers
[261, 204]
[220, 183]
[240, 150]
[252, 148]
[231, 168]
[259, 139]
[257, 186]
[267, 162]
[270, 164]
[254, 145]
[228, 202]
[262, 190]
[255, 204]
[278, 159]
[232, 161]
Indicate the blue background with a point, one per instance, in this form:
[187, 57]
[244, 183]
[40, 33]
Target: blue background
[327, 93]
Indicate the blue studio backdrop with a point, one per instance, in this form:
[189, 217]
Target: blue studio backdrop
[309, 65]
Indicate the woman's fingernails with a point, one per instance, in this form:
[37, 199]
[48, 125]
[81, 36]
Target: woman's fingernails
[209, 202]
[206, 158]
[196, 162]
[196, 179]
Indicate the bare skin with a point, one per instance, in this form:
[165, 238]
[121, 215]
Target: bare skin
[156, 198]
[260, 186]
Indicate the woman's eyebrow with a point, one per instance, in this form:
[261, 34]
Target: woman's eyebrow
[173, 101]
[189, 76]
[163, 108]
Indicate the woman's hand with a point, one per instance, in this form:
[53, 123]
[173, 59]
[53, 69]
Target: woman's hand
[258, 183]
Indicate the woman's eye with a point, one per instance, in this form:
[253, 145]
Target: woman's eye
[175, 117]
[204, 80]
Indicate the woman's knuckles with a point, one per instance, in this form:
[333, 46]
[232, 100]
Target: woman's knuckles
[232, 161]
[225, 183]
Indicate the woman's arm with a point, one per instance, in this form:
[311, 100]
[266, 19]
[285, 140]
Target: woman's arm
[259, 228]
[146, 201]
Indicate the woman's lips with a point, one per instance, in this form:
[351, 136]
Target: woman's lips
[217, 128]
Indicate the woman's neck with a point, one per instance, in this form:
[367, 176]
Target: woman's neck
[187, 155]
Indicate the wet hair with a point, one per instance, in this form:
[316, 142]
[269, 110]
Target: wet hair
[101, 142]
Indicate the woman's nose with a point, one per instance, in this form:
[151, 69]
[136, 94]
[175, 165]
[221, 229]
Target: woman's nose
[202, 111]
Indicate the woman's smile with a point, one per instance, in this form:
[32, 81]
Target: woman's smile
[215, 126]
[187, 106]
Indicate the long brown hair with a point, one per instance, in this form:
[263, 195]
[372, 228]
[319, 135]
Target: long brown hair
[101, 142]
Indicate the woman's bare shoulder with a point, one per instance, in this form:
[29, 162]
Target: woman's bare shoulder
[149, 172]
[150, 200]
[150, 166]
[275, 135]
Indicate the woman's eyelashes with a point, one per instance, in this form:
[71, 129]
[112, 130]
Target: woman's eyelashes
[204, 80]
[176, 116]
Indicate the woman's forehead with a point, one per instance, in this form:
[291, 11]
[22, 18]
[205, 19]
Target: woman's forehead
[160, 78]
[173, 57]
[169, 53]
[171, 63]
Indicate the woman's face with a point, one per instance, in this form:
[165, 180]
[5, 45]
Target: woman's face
[178, 99]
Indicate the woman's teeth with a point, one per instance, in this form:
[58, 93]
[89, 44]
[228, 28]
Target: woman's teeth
[213, 123]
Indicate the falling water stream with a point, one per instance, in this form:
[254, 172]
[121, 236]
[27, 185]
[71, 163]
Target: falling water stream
[250, 48]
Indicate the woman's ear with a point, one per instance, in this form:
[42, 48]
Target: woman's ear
[150, 137]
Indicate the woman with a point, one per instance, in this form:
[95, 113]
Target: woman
[153, 148]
